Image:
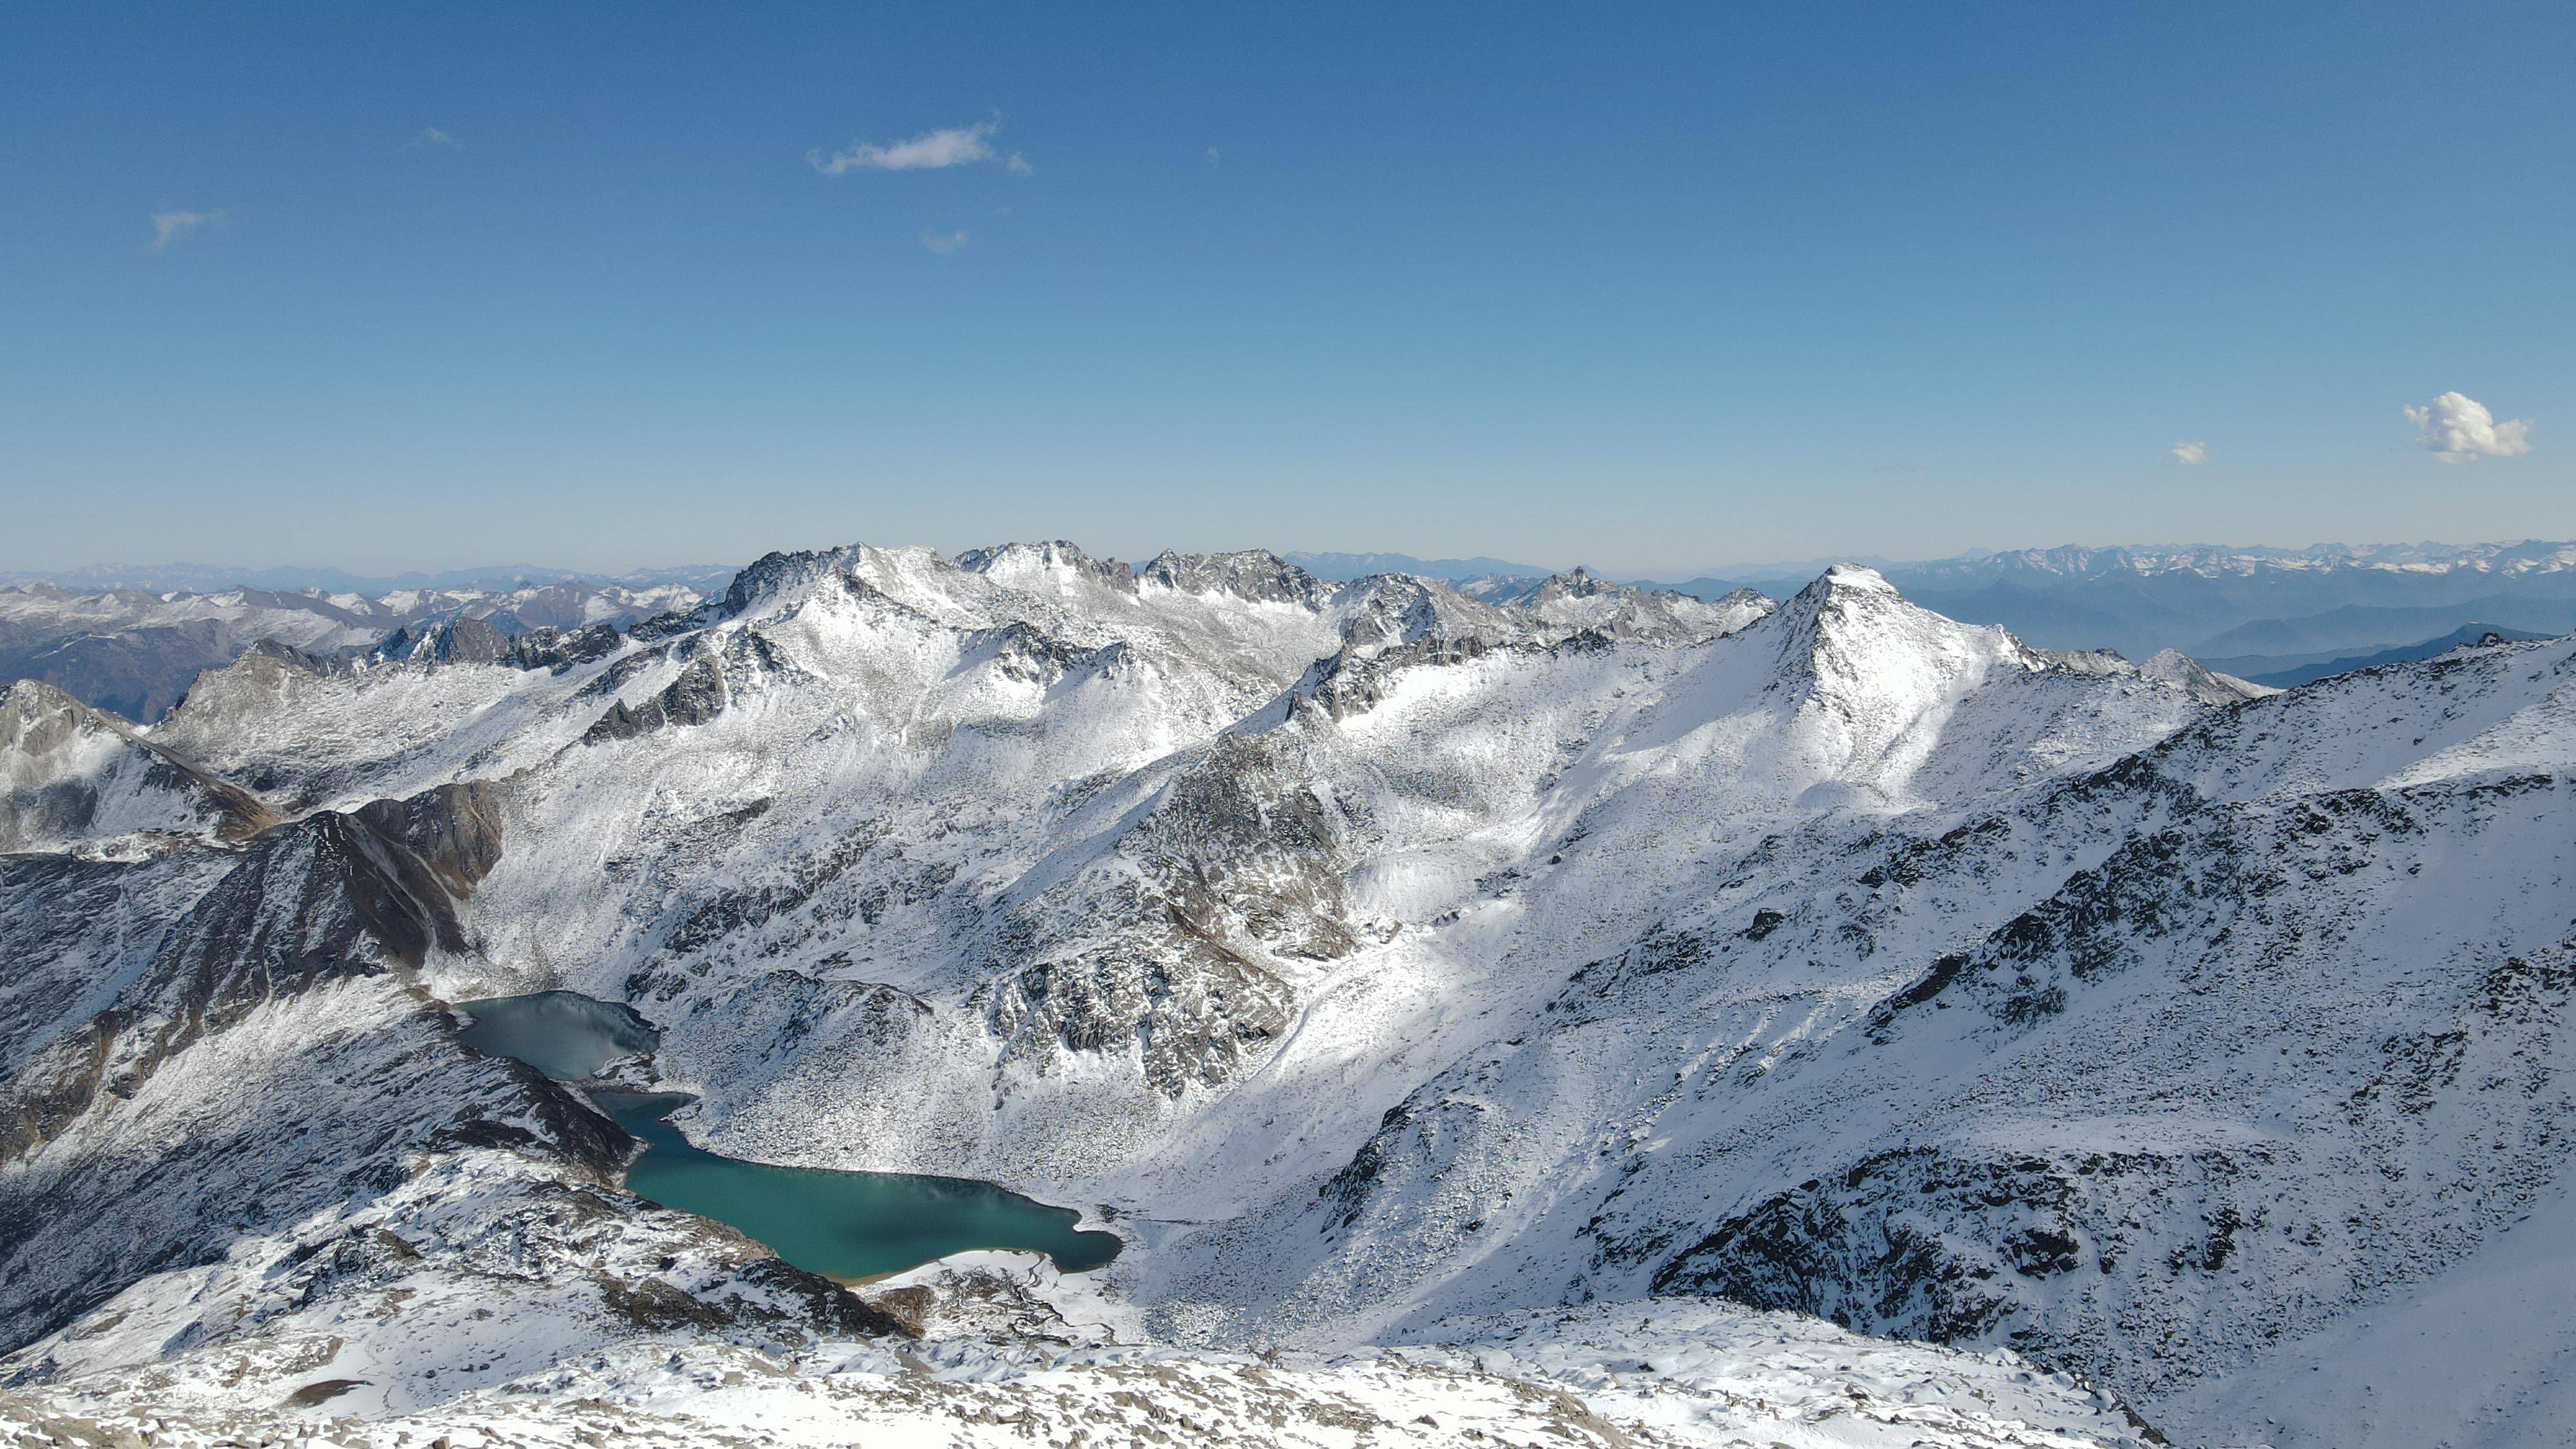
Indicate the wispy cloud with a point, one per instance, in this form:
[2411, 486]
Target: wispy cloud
[930, 151]
[2459, 429]
[2190, 455]
[1018, 165]
[169, 226]
[944, 245]
[1214, 159]
[432, 136]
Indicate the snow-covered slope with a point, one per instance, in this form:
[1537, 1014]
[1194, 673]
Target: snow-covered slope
[71, 776]
[1382, 960]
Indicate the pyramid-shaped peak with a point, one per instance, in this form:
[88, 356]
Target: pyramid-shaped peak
[1852, 622]
[1848, 591]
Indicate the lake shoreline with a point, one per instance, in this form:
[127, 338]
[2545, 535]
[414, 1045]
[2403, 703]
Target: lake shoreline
[852, 1227]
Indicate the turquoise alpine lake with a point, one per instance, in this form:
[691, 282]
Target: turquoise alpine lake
[850, 1225]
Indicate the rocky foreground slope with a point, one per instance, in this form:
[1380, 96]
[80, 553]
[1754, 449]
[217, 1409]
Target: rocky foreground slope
[1515, 978]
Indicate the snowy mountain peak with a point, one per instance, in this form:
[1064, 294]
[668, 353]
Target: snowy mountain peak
[1048, 567]
[2172, 666]
[1850, 613]
[1384, 611]
[1257, 575]
[776, 574]
[1856, 576]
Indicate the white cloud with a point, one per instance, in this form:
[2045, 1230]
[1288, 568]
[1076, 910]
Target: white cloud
[169, 226]
[1018, 165]
[944, 245]
[2459, 429]
[432, 136]
[2190, 455]
[957, 146]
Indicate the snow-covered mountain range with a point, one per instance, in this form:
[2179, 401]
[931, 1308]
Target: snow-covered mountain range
[2528, 556]
[135, 650]
[2255, 612]
[1536, 1003]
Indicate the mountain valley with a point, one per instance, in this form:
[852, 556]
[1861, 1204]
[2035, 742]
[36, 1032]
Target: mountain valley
[1572, 1010]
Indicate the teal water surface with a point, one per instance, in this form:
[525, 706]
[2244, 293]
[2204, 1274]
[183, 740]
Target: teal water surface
[563, 1034]
[845, 1224]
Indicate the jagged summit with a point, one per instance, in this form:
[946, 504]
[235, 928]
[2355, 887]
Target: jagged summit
[1047, 567]
[1255, 574]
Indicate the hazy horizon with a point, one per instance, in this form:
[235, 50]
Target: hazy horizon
[1716, 570]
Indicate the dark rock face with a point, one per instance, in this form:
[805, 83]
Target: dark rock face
[305, 922]
[458, 641]
[1242, 846]
[696, 697]
[1398, 609]
[330, 898]
[560, 651]
[1197, 1012]
[409, 863]
[769, 576]
[1917, 1237]
[1028, 653]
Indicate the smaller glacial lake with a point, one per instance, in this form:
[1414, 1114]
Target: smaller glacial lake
[845, 1224]
[563, 1034]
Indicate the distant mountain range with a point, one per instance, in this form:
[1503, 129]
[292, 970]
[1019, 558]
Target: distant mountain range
[197, 578]
[130, 637]
[2292, 676]
[134, 650]
[2241, 609]
[2248, 610]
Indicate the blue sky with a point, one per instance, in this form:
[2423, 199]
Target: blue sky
[1654, 288]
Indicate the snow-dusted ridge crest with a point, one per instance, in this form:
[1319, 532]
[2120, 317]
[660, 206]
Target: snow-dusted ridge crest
[1390, 963]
